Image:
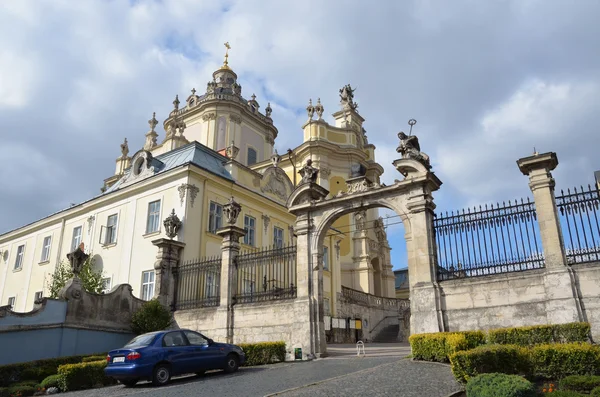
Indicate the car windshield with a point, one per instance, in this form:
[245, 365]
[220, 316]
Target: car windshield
[141, 340]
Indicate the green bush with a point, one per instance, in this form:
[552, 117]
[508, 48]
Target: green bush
[556, 361]
[152, 316]
[499, 385]
[567, 393]
[263, 352]
[50, 381]
[540, 334]
[17, 390]
[439, 346]
[83, 376]
[580, 383]
[507, 359]
[35, 370]
[93, 358]
[595, 392]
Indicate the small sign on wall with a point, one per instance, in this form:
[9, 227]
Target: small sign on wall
[352, 323]
[358, 324]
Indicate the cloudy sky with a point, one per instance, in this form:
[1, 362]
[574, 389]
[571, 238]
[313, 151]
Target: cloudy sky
[487, 82]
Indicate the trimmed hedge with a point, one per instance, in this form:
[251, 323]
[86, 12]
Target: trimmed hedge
[567, 393]
[18, 390]
[557, 360]
[34, 370]
[580, 383]
[439, 346]
[93, 358]
[83, 376]
[540, 334]
[506, 359]
[50, 381]
[263, 352]
[500, 385]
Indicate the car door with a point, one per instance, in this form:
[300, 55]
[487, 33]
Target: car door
[177, 352]
[205, 356]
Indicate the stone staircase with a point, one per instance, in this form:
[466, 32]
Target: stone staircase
[388, 334]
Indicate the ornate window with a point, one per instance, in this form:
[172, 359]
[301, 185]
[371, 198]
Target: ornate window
[278, 237]
[251, 158]
[76, 239]
[19, 258]
[147, 285]
[153, 221]
[250, 228]
[46, 249]
[215, 217]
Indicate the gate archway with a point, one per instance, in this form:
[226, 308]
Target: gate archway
[411, 198]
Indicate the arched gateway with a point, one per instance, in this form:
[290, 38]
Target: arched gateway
[411, 198]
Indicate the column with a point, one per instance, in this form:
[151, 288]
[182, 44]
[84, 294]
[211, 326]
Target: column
[562, 301]
[230, 249]
[165, 271]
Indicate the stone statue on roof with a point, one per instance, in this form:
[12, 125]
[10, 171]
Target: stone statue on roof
[309, 173]
[409, 148]
[347, 97]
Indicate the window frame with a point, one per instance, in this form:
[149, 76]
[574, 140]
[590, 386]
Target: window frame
[250, 238]
[104, 289]
[278, 243]
[35, 296]
[14, 301]
[19, 258]
[250, 148]
[148, 283]
[112, 229]
[215, 218]
[325, 258]
[155, 216]
[46, 249]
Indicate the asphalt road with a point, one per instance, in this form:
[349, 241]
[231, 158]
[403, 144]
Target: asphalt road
[343, 375]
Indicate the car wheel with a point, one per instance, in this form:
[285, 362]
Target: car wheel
[200, 373]
[232, 363]
[128, 382]
[161, 375]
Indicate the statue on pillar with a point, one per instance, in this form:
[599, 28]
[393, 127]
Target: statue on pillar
[360, 219]
[172, 225]
[232, 210]
[409, 148]
[347, 98]
[77, 258]
[308, 173]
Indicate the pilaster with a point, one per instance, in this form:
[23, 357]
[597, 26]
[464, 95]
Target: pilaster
[165, 270]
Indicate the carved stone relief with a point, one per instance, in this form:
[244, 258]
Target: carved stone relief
[235, 118]
[266, 221]
[187, 188]
[209, 116]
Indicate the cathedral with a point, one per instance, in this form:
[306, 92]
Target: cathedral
[215, 145]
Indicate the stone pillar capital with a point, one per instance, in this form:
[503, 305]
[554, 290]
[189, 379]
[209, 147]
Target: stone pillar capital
[231, 236]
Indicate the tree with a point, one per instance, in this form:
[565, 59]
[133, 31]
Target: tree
[91, 279]
[152, 316]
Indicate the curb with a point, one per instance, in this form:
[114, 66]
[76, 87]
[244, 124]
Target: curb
[456, 393]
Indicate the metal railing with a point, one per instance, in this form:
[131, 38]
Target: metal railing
[579, 213]
[267, 274]
[489, 240]
[198, 284]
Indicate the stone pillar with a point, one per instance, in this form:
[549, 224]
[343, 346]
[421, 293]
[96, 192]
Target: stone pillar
[363, 269]
[230, 249]
[562, 302]
[165, 271]
[426, 315]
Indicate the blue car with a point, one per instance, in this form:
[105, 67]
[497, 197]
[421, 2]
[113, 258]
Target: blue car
[156, 356]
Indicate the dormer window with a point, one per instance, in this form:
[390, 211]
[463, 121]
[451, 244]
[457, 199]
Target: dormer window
[251, 158]
[138, 166]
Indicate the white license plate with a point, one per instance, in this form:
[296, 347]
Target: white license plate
[119, 360]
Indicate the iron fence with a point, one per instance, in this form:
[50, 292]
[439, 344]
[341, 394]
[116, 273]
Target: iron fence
[488, 240]
[579, 212]
[198, 284]
[266, 274]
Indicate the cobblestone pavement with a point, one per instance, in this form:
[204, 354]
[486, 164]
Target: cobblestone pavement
[347, 375]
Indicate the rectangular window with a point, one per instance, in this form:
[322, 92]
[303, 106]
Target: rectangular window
[148, 285]
[153, 223]
[11, 302]
[76, 240]
[251, 156]
[250, 228]
[111, 230]
[215, 217]
[278, 237]
[211, 285]
[46, 249]
[106, 285]
[248, 287]
[325, 258]
[19, 258]
[38, 296]
[326, 308]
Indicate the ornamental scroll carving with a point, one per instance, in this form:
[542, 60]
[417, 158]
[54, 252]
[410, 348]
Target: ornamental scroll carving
[188, 189]
[209, 116]
[237, 119]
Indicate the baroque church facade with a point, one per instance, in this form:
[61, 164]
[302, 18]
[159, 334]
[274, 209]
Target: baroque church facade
[216, 145]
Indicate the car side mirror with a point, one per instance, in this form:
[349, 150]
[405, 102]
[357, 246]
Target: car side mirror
[210, 341]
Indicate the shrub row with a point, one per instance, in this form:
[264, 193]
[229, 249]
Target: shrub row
[439, 346]
[83, 376]
[540, 334]
[263, 352]
[550, 361]
[21, 389]
[500, 385]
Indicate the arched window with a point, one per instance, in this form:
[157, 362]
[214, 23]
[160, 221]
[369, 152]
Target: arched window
[251, 158]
